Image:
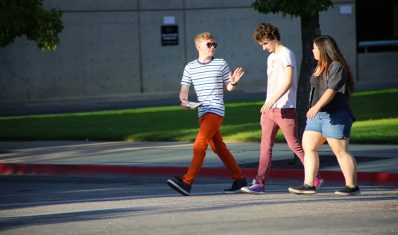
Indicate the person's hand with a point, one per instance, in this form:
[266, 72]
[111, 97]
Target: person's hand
[266, 107]
[235, 77]
[312, 112]
[184, 103]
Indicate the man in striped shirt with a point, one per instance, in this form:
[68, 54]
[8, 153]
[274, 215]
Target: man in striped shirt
[209, 76]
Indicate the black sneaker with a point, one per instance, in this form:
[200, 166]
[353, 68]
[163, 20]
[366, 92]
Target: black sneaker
[348, 191]
[179, 186]
[304, 189]
[236, 186]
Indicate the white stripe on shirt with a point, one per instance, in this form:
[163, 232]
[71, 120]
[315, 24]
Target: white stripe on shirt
[208, 81]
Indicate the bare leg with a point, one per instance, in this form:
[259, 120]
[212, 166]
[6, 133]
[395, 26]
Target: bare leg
[312, 140]
[346, 161]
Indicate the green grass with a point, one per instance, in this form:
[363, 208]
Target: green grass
[376, 113]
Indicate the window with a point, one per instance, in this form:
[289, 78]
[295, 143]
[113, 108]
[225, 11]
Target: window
[377, 25]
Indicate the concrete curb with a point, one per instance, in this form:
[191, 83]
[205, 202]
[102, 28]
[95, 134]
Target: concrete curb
[374, 178]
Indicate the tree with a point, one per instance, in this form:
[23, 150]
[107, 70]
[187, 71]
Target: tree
[29, 18]
[308, 11]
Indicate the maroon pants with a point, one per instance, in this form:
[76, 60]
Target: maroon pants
[285, 119]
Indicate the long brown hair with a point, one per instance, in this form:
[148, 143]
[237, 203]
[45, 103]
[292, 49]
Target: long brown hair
[328, 52]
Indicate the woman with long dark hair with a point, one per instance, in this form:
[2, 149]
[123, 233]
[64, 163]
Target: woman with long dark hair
[329, 117]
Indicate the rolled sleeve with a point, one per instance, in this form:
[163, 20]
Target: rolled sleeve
[337, 77]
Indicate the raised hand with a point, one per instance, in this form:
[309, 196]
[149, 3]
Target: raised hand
[235, 77]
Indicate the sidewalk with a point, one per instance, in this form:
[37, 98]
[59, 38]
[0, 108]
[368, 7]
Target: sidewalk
[377, 164]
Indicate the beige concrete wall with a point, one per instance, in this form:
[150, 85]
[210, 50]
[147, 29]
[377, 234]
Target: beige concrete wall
[378, 70]
[111, 50]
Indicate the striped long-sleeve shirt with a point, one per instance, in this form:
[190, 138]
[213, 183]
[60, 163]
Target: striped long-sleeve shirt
[208, 80]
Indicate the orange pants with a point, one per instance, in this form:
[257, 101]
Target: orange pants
[209, 132]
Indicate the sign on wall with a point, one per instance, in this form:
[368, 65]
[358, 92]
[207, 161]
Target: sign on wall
[169, 31]
[169, 35]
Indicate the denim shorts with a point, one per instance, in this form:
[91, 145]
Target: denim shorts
[336, 125]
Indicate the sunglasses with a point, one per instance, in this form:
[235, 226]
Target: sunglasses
[210, 44]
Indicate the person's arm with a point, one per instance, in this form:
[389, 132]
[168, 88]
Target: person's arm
[235, 78]
[184, 93]
[286, 85]
[324, 100]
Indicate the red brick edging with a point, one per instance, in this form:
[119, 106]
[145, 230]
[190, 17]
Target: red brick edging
[379, 178]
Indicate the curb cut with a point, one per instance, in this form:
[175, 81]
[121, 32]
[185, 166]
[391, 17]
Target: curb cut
[378, 178]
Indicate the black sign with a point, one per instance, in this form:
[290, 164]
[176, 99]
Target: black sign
[169, 35]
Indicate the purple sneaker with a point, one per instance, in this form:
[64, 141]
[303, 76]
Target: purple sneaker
[254, 189]
[318, 182]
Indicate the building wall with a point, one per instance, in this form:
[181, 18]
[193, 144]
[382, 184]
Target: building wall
[377, 70]
[111, 50]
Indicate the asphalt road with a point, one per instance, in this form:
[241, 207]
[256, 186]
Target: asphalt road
[118, 205]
